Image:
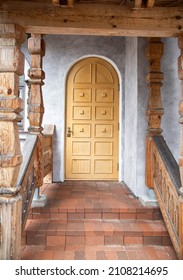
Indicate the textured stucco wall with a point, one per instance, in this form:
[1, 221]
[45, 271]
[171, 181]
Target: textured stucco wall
[130, 143]
[61, 53]
[136, 97]
[171, 95]
[142, 120]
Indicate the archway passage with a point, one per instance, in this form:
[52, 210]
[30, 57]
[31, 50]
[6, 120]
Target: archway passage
[92, 121]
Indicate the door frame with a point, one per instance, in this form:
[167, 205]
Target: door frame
[120, 117]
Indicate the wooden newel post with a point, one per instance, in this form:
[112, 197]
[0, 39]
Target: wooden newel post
[11, 67]
[154, 107]
[35, 104]
[180, 75]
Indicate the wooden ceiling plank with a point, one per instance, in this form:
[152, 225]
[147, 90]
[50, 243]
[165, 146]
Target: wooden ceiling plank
[93, 19]
[138, 4]
[56, 2]
[150, 3]
[69, 3]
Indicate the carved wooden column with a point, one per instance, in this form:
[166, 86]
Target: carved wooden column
[154, 107]
[11, 67]
[180, 75]
[35, 105]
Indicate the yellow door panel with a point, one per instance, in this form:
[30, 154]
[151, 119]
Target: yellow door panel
[103, 149]
[81, 148]
[81, 131]
[82, 95]
[83, 74]
[104, 130]
[104, 95]
[104, 113]
[81, 113]
[103, 166]
[81, 166]
[103, 75]
[92, 121]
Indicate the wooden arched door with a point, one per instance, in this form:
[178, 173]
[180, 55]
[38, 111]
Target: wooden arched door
[92, 101]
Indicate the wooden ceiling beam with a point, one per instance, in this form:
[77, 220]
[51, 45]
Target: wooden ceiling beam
[150, 3]
[138, 4]
[56, 2]
[93, 19]
[69, 3]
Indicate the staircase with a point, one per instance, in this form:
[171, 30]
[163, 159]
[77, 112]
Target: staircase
[95, 220]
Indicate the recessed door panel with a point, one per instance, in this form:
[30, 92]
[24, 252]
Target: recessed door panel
[104, 130]
[104, 113]
[92, 121]
[82, 95]
[104, 95]
[81, 148]
[80, 166]
[102, 166]
[103, 148]
[81, 130]
[81, 113]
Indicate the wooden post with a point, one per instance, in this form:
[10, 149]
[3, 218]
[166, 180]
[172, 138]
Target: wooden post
[11, 67]
[35, 104]
[180, 75]
[154, 107]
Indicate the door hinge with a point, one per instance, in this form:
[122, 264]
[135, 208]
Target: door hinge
[118, 126]
[117, 166]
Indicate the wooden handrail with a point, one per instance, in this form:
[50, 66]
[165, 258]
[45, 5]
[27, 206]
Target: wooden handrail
[26, 178]
[48, 133]
[168, 190]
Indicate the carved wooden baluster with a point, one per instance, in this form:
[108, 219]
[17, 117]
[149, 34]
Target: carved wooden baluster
[11, 67]
[36, 109]
[154, 107]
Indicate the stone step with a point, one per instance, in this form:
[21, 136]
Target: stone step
[96, 233]
[132, 213]
[107, 252]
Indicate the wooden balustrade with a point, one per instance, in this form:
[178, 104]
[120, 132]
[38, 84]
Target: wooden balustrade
[48, 133]
[26, 184]
[27, 174]
[26, 178]
[167, 186]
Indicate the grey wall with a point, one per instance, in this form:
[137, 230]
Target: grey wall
[136, 97]
[171, 95]
[130, 135]
[142, 120]
[61, 53]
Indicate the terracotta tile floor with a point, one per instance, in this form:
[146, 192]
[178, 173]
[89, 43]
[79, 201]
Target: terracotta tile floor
[93, 220]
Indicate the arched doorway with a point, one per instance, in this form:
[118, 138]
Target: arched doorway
[92, 121]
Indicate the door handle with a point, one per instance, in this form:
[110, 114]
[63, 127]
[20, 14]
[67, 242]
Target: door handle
[69, 132]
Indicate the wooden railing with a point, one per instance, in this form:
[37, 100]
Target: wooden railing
[26, 178]
[167, 187]
[15, 202]
[48, 133]
[27, 174]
